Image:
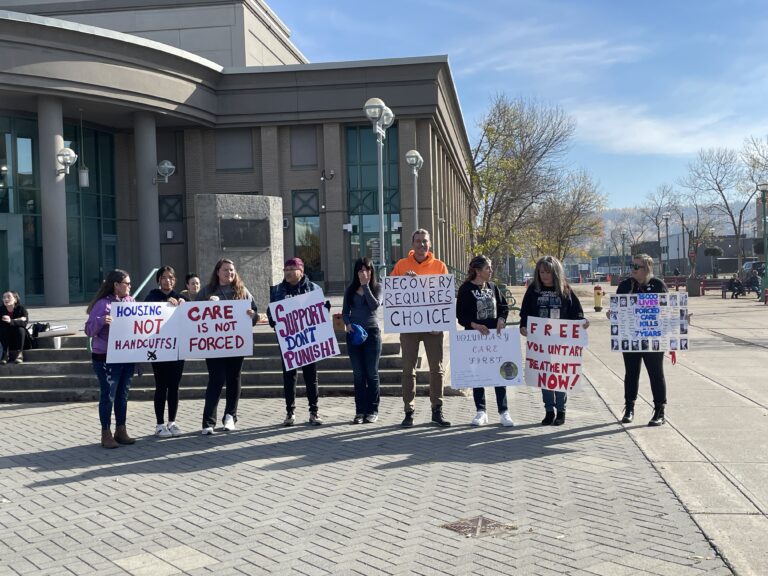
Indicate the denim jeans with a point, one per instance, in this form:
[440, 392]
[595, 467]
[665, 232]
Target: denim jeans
[222, 371]
[115, 383]
[554, 400]
[501, 398]
[365, 367]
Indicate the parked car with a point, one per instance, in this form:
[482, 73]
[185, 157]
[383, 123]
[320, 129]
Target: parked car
[749, 266]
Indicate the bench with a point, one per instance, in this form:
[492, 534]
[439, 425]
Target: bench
[676, 281]
[714, 284]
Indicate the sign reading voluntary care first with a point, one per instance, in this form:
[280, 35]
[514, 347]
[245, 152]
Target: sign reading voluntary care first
[304, 329]
[490, 360]
[422, 303]
[554, 353]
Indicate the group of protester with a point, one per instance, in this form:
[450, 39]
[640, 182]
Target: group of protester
[480, 305]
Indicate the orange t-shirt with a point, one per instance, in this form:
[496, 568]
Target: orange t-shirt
[431, 265]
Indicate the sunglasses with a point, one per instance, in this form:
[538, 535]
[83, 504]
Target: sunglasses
[638, 266]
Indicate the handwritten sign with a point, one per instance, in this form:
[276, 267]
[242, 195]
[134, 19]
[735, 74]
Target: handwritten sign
[419, 303]
[304, 329]
[215, 329]
[142, 332]
[649, 322]
[492, 360]
[554, 353]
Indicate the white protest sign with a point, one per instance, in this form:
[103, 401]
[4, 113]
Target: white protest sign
[649, 322]
[304, 329]
[142, 332]
[215, 329]
[554, 353]
[423, 303]
[492, 360]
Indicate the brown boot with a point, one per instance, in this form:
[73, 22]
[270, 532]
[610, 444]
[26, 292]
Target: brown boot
[121, 435]
[107, 440]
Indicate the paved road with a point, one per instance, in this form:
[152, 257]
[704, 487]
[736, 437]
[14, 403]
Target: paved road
[592, 497]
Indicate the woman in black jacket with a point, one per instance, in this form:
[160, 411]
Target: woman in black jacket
[550, 296]
[642, 280]
[13, 328]
[167, 374]
[481, 306]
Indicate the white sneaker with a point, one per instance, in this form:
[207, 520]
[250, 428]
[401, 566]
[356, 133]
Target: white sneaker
[174, 429]
[506, 419]
[229, 423]
[207, 431]
[480, 419]
[162, 432]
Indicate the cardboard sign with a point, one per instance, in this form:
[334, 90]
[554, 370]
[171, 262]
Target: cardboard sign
[492, 360]
[649, 322]
[419, 303]
[554, 353]
[304, 329]
[142, 332]
[215, 329]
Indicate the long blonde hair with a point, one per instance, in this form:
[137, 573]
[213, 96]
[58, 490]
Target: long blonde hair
[555, 267]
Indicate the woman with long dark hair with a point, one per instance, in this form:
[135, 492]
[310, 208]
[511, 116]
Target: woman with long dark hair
[167, 374]
[362, 299]
[550, 296]
[224, 284]
[114, 378]
[481, 306]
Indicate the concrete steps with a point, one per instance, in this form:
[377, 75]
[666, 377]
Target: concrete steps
[65, 374]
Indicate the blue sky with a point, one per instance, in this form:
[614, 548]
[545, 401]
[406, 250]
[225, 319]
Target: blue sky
[648, 83]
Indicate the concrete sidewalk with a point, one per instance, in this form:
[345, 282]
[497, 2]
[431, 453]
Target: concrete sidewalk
[591, 497]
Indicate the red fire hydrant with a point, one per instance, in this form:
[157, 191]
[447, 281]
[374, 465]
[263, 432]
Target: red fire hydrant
[598, 298]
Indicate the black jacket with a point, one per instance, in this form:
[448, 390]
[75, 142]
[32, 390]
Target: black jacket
[481, 305]
[157, 295]
[538, 303]
[631, 286]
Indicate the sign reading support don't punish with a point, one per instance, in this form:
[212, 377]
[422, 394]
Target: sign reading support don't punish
[419, 303]
[304, 329]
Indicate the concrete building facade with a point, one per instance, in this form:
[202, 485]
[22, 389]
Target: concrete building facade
[216, 88]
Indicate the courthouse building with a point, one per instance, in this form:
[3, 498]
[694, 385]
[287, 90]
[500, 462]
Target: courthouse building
[216, 89]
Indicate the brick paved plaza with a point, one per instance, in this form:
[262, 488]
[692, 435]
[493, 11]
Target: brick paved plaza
[338, 499]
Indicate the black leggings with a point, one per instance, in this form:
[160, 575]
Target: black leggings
[654, 364]
[167, 379]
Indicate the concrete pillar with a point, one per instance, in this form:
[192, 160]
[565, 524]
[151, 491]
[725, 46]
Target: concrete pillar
[53, 202]
[148, 218]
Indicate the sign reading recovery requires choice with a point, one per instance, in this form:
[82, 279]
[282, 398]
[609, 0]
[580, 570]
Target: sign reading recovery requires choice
[419, 303]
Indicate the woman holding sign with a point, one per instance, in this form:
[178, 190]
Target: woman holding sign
[224, 284]
[481, 306]
[361, 300]
[167, 374]
[115, 378]
[642, 280]
[550, 296]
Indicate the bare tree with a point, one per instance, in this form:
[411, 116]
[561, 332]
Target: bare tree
[626, 228]
[698, 217]
[659, 203]
[569, 218]
[727, 177]
[516, 162]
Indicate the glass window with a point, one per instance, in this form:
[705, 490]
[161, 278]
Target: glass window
[234, 149]
[307, 244]
[303, 146]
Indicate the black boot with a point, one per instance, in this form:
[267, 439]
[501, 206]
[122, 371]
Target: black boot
[559, 419]
[629, 413]
[437, 417]
[549, 417]
[408, 420]
[658, 416]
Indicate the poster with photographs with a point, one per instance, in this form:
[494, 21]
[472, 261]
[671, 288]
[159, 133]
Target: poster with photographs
[649, 322]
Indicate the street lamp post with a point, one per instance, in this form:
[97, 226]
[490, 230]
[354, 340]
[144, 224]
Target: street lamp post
[415, 161]
[623, 258]
[666, 231]
[381, 118]
[763, 192]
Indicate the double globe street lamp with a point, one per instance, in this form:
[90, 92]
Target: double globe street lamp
[381, 118]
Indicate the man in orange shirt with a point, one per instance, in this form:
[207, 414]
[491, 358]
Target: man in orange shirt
[421, 261]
